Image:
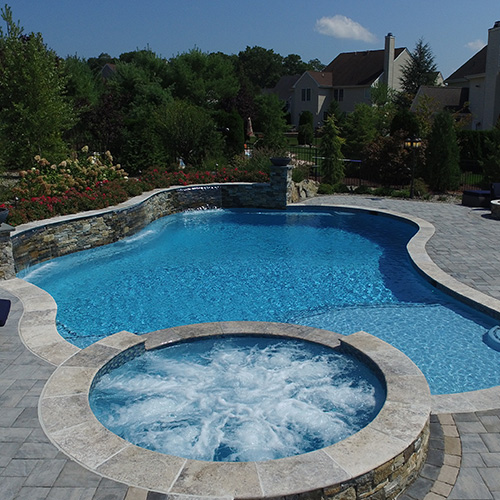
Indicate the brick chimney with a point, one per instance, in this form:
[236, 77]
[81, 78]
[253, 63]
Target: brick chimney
[388, 77]
[492, 79]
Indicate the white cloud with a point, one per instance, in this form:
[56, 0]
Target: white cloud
[342, 27]
[476, 45]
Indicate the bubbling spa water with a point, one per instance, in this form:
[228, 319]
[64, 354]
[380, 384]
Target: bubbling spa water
[237, 398]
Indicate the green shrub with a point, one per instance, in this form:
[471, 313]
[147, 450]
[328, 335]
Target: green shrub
[306, 134]
[420, 188]
[363, 190]
[401, 193]
[300, 172]
[297, 175]
[383, 191]
[325, 189]
[340, 188]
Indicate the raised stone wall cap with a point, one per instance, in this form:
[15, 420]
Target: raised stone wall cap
[6, 228]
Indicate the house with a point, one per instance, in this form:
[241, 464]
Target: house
[348, 79]
[480, 76]
[439, 98]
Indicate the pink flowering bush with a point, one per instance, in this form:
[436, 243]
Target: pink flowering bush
[79, 172]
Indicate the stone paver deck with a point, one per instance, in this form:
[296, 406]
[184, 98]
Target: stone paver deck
[464, 456]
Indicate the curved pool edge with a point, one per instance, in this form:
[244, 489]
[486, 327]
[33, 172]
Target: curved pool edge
[425, 265]
[37, 326]
[387, 453]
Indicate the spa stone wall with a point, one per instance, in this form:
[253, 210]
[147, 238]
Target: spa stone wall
[388, 481]
[43, 240]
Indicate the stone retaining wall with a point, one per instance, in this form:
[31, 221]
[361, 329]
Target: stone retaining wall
[387, 481]
[39, 241]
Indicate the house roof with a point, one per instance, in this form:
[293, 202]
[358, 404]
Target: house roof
[108, 70]
[449, 98]
[358, 68]
[322, 78]
[474, 66]
[284, 88]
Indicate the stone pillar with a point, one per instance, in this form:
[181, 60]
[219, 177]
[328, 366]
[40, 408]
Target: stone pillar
[7, 268]
[281, 185]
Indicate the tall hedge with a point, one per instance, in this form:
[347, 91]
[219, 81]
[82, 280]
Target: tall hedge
[443, 169]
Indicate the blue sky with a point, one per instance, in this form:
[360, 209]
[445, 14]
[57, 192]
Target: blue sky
[454, 29]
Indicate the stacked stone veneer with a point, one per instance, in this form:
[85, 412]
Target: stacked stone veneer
[388, 481]
[36, 242]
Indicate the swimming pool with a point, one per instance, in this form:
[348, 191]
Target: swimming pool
[336, 269]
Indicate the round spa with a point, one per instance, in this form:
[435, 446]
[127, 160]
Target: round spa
[243, 409]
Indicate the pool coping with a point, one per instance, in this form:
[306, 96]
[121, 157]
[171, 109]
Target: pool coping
[38, 332]
[387, 453]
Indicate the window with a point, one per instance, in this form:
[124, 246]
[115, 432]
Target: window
[338, 94]
[306, 94]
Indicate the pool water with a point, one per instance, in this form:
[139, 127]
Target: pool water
[238, 399]
[339, 270]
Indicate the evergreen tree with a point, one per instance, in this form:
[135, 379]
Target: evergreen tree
[443, 169]
[419, 70]
[332, 167]
[34, 111]
[340, 116]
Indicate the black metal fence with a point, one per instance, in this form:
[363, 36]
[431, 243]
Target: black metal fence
[358, 174]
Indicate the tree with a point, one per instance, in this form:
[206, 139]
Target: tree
[388, 161]
[294, 65]
[340, 116]
[315, 65]
[203, 79]
[232, 127]
[419, 70]
[271, 121]
[405, 123]
[34, 111]
[443, 169]
[135, 104]
[84, 89]
[332, 167]
[491, 159]
[261, 67]
[189, 133]
[361, 128]
[97, 63]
